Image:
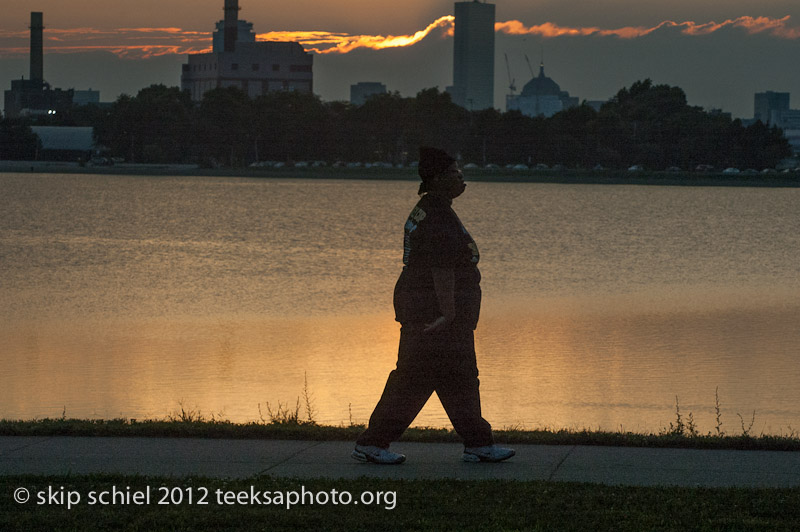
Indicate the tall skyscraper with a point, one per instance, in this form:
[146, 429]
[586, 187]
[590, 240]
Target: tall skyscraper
[364, 90]
[473, 57]
[769, 106]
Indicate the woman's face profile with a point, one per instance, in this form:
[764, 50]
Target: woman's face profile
[451, 182]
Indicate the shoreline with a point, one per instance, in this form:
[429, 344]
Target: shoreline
[193, 425]
[502, 175]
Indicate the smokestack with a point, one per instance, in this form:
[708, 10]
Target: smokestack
[37, 47]
[231, 24]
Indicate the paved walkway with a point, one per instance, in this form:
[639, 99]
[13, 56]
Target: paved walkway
[179, 457]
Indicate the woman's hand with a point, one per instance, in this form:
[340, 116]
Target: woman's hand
[443, 283]
[439, 323]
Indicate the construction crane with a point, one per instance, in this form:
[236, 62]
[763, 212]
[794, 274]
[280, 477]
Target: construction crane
[511, 85]
[529, 66]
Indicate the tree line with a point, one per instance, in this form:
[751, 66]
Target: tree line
[645, 124]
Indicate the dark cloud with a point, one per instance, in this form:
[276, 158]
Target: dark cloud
[723, 69]
[101, 71]
[719, 70]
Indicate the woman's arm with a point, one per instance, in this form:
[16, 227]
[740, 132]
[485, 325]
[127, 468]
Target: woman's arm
[444, 285]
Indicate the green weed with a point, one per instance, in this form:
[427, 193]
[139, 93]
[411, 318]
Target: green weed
[283, 415]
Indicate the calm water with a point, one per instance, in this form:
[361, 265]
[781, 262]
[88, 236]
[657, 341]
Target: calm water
[126, 296]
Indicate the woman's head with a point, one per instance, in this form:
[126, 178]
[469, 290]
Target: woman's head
[440, 173]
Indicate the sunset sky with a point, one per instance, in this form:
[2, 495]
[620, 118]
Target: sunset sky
[719, 51]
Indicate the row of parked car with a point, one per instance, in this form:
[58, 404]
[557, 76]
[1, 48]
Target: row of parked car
[707, 168]
[318, 164]
[750, 171]
[514, 167]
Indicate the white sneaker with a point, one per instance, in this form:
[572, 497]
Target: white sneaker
[488, 453]
[377, 455]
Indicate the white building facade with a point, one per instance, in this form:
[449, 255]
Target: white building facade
[238, 60]
[256, 68]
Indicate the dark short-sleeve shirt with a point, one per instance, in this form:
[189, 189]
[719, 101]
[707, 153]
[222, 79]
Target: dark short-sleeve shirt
[434, 237]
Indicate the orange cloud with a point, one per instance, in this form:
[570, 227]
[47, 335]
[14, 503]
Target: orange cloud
[548, 29]
[777, 27]
[134, 43]
[150, 42]
[323, 42]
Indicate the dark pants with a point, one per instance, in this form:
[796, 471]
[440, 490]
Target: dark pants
[441, 362]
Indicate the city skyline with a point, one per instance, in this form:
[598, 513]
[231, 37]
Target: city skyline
[720, 60]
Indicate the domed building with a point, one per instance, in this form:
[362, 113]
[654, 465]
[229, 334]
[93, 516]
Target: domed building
[541, 96]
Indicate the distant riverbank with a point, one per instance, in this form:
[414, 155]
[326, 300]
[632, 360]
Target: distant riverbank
[578, 176]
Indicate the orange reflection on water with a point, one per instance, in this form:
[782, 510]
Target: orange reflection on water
[581, 362]
[621, 362]
[148, 368]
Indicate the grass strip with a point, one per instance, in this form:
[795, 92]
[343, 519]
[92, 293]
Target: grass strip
[204, 428]
[415, 505]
